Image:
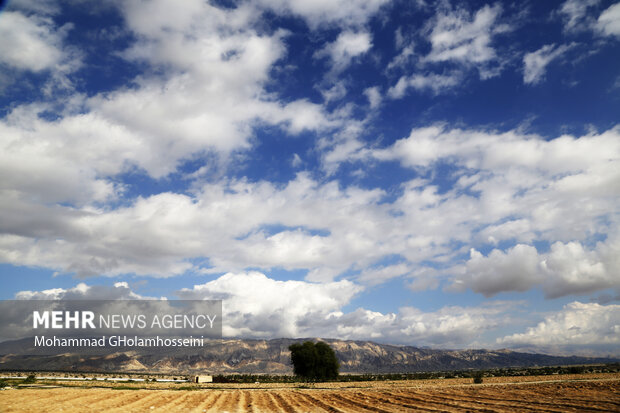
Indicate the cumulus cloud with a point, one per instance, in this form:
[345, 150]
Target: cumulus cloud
[379, 275]
[345, 48]
[33, 43]
[575, 14]
[568, 268]
[535, 63]
[60, 193]
[302, 309]
[509, 187]
[257, 306]
[513, 270]
[118, 291]
[374, 96]
[465, 38]
[582, 328]
[433, 82]
[572, 269]
[206, 99]
[523, 189]
[608, 22]
[158, 234]
[457, 37]
[325, 12]
[30, 42]
[488, 150]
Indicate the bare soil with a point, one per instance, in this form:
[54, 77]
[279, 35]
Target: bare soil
[566, 393]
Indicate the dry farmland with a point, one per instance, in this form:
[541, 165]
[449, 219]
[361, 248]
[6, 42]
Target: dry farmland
[595, 393]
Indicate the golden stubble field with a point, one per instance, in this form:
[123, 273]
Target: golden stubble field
[579, 393]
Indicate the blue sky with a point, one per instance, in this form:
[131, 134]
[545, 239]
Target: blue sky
[439, 174]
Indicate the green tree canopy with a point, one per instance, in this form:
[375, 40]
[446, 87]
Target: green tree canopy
[314, 361]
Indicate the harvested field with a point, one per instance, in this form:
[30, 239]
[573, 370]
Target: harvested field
[589, 393]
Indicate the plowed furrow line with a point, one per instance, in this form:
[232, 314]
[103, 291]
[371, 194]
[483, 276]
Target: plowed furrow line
[394, 406]
[174, 401]
[344, 399]
[259, 401]
[231, 401]
[220, 401]
[70, 397]
[450, 402]
[281, 404]
[611, 399]
[495, 404]
[85, 400]
[191, 402]
[319, 403]
[426, 404]
[88, 401]
[400, 404]
[26, 394]
[296, 400]
[605, 398]
[208, 400]
[136, 397]
[553, 397]
[115, 398]
[533, 401]
[246, 402]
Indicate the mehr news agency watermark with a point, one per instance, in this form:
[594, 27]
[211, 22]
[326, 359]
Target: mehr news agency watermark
[88, 320]
[51, 327]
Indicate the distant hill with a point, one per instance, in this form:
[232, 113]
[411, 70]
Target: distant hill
[273, 357]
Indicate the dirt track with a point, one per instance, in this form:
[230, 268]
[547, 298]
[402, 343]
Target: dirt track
[507, 395]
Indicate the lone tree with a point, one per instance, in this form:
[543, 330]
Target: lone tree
[316, 362]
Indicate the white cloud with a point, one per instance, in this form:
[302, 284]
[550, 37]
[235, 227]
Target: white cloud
[257, 306]
[207, 99]
[571, 269]
[30, 42]
[82, 291]
[535, 63]
[609, 21]
[379, 275]
[334, 93]
[301, 309]
[158, 234]
[374, 96]
[582, 328]
[514, 270]
[575, 14]
[458, 36]
[433, 82]
[522, 189]
[342, 51]
[509, 187]
[296, 161]
[491, 151]
[323, 12]
[566, 269]
[403, 59]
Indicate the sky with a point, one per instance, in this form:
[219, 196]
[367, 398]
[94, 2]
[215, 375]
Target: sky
[437, 174]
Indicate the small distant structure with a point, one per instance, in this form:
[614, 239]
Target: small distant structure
[202, 379]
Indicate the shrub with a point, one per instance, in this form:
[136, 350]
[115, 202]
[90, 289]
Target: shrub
[478, 377]
[316, 362]
[30, 379]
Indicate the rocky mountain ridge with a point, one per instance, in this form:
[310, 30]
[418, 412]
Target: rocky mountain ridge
[273, 357]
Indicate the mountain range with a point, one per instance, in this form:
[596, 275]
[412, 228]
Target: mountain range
[273, 357]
